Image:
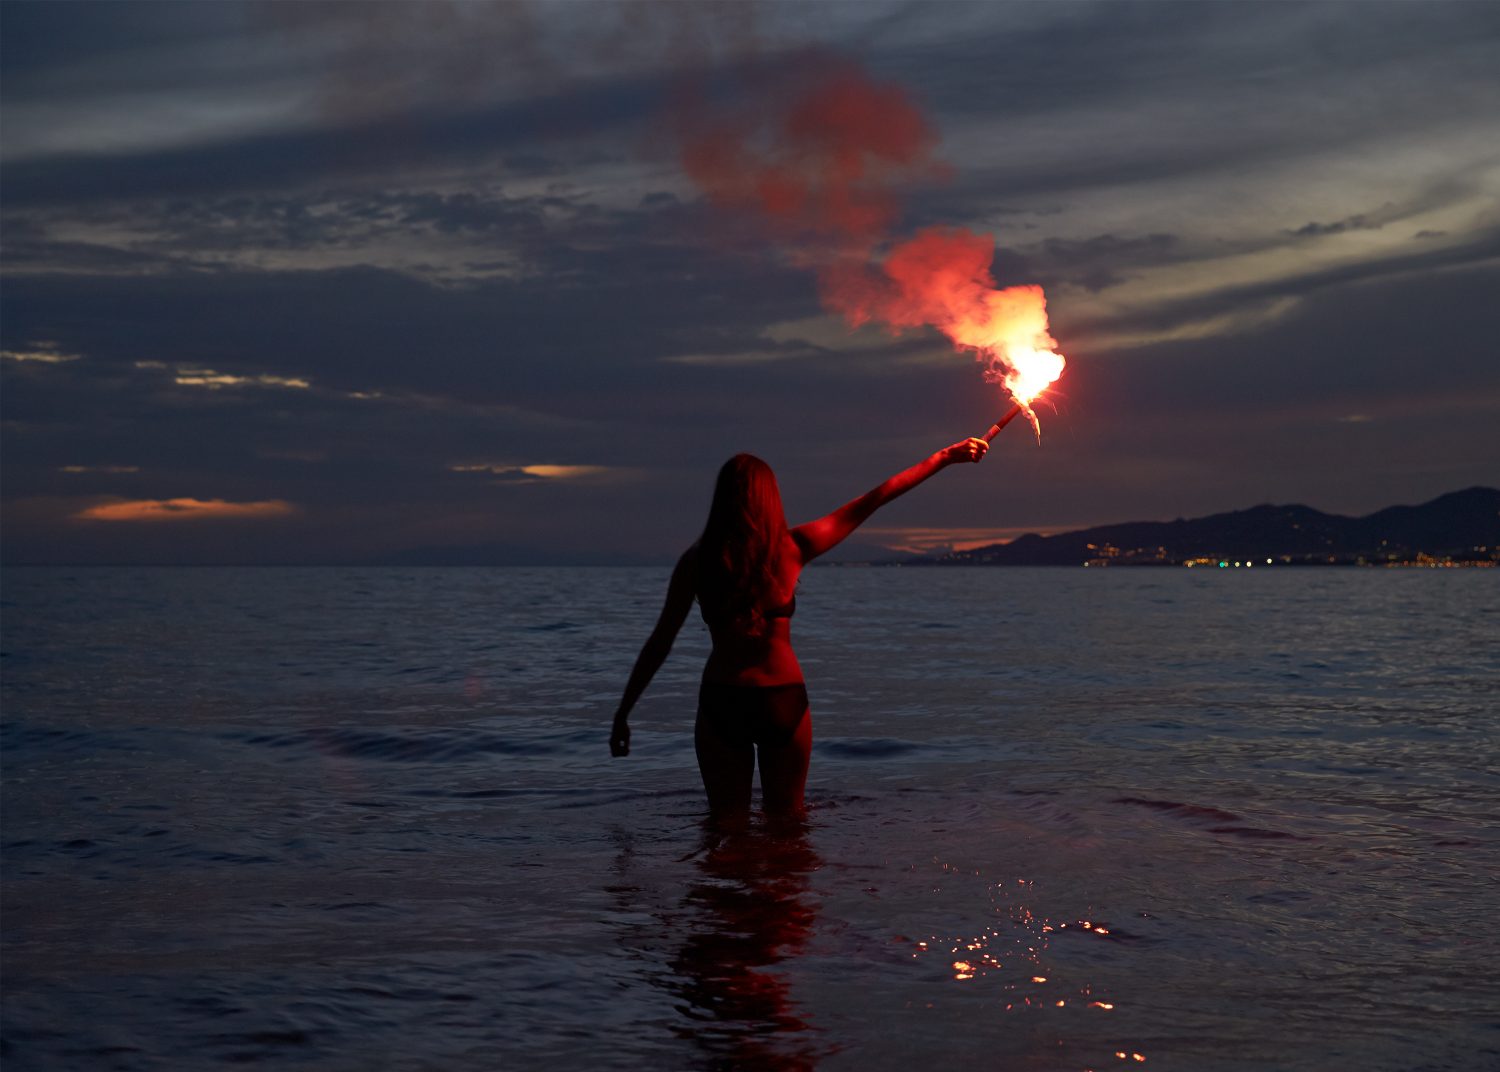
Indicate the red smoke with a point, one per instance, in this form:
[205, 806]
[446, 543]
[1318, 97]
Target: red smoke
[942, 278]
[826, 156]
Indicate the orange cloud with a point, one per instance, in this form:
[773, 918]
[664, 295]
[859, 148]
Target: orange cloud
[923, 541]
[546, 472]
[183, 510]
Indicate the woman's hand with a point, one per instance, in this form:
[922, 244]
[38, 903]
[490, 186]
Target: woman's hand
[968, 450]
[619, 737]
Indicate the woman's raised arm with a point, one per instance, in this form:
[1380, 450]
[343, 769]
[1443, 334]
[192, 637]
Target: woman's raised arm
[658, 645]
[826, 533]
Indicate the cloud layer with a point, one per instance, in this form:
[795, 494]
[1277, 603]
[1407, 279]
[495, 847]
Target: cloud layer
[336, 259]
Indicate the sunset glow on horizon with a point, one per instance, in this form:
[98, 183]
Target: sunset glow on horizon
[185, 509]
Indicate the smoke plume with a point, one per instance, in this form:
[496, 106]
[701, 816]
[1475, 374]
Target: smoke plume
[824, 154]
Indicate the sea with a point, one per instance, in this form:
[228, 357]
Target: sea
[1071, 819]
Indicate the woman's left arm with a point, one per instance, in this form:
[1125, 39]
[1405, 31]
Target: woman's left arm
[679, 601]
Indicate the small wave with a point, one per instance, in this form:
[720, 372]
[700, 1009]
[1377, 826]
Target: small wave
[19, 737]
[492, 794]
[1194, 811]
[1256, 832]
[204, 855]
[866, 747]
[1228, 822]
[36, 848]
[130, 848]
[396, 746]
[1280, 897]
[363, 911]
[270, 1045]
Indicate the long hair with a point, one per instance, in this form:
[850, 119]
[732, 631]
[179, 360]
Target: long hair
[739, 553]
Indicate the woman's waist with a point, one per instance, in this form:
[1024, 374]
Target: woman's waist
[773, 668]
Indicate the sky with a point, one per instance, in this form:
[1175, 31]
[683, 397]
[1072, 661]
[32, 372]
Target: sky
[350, 283]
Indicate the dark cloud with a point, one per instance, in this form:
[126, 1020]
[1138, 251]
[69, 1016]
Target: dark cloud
[1091, 263]
[295, 159]
[1359, 222]
[1410, 264]
[1253, 58]
[42, 41]
[589, 329]
[1385, 340]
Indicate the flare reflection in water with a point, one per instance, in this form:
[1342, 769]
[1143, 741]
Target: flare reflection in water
[1009, 954]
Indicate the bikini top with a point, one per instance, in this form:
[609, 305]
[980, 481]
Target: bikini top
[786, 610]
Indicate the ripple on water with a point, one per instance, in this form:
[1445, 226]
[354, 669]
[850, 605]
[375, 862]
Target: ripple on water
[1200, 815]
[415, 745]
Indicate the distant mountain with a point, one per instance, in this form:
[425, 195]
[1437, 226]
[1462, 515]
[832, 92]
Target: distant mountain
[1462, 526]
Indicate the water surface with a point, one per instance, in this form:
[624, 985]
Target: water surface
[357, 819]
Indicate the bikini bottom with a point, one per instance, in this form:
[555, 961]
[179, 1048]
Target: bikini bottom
[752, 714]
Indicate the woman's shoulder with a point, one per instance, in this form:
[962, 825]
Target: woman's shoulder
[687, 565]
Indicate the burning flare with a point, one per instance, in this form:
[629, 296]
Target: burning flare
[942, 278]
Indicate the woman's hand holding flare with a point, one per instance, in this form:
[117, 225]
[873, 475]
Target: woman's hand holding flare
[967, 450]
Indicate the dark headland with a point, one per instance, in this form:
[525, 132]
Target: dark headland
[1461, 528]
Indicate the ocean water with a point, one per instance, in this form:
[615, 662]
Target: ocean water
[1059, 819]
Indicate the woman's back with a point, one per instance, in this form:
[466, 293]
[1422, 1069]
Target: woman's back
[753, 644]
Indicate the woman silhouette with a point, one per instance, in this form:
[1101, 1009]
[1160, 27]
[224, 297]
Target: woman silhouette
[743, 571]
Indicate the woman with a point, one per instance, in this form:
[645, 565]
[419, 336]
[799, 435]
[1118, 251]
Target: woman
[743, 571]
